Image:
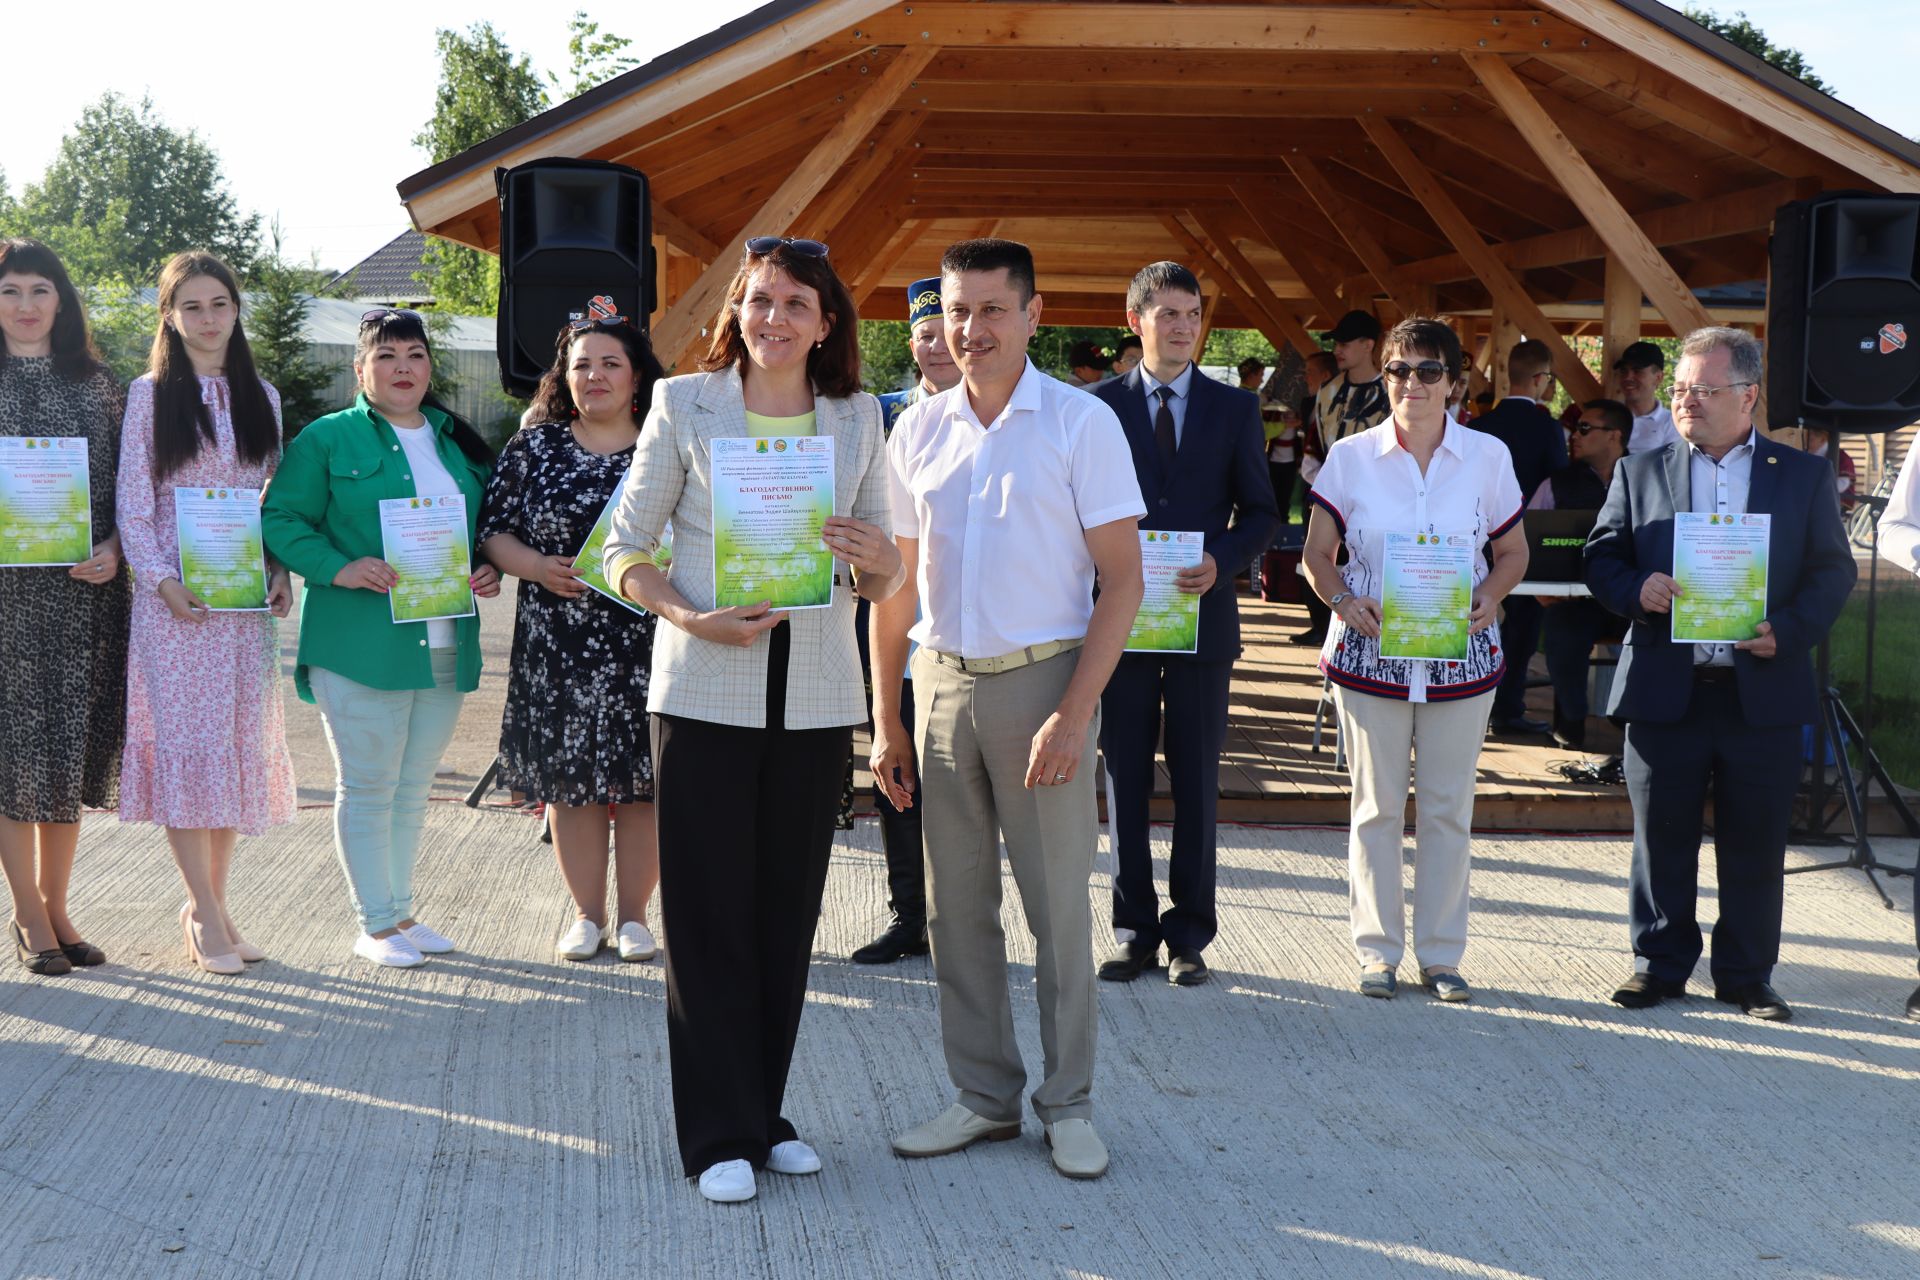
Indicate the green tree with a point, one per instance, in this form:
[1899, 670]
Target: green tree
[123, 321]
[126, 192]
[886, 361]
[1230, 346]
[594, 56]
[485, 89]
[1740, 30]
[279, 295]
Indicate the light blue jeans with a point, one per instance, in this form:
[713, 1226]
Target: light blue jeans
[386, 745]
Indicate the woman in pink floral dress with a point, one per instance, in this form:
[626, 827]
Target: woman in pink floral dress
[206, 749]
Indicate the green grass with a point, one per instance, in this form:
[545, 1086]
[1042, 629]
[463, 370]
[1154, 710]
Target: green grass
[1896, 672]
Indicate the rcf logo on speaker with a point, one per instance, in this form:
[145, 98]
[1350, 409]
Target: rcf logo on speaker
[1893, 337]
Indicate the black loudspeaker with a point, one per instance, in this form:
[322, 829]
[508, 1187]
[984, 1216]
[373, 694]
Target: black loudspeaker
[575, 243]
[1843, 313]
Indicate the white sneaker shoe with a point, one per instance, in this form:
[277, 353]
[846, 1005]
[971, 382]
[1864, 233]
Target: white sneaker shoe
[427, 940]
[580, 942]
[728, 1182]
[636, 942]
[395, 952]
[793, 1157]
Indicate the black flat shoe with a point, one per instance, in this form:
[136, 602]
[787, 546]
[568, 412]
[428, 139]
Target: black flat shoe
[48, 964]
[1130, 961]
[1756, 1000]
[1187, 969]
[1913, 1005]
[902, 938]
[1643, 991]
[83, 953]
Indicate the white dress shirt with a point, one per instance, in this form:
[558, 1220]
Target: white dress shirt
[1900, 522]
[1001, 512]
[1720, 487]
[1652, 430]
[1176, 402]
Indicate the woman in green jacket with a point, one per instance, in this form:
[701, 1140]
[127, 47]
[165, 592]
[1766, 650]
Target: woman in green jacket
[389, 692]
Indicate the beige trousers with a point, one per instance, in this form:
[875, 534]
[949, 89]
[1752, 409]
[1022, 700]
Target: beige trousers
[973, 734]
[1442, 739]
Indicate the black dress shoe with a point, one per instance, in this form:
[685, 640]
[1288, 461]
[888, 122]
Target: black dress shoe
[902, 938]
[1309, 636]
[1130, 961]
[1570, 735]
[1187, 969]
[1520, 724]
[1644, 990]
[48, 964]
[1756, 1000]
[1913, 1005]
[83, 953]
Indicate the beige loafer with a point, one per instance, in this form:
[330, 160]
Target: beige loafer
[954, 1129]
[1077, 1149]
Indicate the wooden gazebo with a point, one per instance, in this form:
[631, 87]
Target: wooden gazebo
[1546, 167]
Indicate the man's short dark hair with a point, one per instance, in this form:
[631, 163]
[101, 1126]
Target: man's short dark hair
[1154, 277]
[1529, 359]
[1129, 342]
[1252, 364]
[993, 255]
[1086, 354]
[1615, 415]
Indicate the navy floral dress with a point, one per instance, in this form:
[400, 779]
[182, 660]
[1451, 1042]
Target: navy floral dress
[575, 727]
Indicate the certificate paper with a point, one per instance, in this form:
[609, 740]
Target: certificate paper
[1169, 618]
[221, 558]
[771, 497]
[1720, 562]
[425, 540]
[590, 562]
[46, 510]
[1427, 596]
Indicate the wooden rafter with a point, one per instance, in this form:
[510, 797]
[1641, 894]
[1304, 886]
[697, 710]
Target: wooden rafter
[1313, 180]
[1274, 321]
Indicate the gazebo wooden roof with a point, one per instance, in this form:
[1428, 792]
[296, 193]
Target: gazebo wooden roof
[1537, 166]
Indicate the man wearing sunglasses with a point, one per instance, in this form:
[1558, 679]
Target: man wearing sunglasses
[1719, 721]
[1539, 448]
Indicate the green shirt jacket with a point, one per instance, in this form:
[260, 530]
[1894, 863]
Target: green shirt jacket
[322, 512]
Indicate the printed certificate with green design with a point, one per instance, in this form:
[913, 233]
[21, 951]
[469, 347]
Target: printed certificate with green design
[771, 497]
[1426, 596]
[46, 509]
[1720, 562]
[1169, 618]
[221, 558]
[590, 562]
[425, 541]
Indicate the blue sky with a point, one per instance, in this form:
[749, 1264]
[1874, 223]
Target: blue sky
[348, 95]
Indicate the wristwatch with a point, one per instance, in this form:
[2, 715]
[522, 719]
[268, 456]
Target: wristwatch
[1338, 596]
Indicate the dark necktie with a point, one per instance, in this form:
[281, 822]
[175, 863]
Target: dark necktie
[1163, 427]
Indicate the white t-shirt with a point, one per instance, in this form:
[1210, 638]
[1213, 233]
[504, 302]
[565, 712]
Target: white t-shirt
[431, 479]
[1001, 510]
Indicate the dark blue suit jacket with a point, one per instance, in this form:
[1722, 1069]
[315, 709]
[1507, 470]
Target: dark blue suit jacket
[1219, 486]
[1810, 570]
[1536, 441]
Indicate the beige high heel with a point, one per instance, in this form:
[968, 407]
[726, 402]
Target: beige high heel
[228, 964]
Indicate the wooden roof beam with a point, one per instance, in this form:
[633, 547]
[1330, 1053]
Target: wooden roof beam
[890, 141]
[1277, 323]
[681, 234]
[1508, 293]
[1075, 99]
[1157, 69]
[1313, 181]
[896, 248]
[680, 327]
[1617, 230]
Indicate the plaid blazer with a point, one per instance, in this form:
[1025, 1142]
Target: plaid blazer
[672, 478]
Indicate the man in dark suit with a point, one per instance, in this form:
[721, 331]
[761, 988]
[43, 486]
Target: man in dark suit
[1719, 720]
[1198, 451]
[1539, 448]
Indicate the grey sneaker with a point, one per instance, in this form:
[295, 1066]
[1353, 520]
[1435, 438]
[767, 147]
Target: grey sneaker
[1378, 983]
[1450, 987]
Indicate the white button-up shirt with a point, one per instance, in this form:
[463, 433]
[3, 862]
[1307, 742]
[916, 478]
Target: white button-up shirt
[1652, 430]
[1371, 486]
[1720, 488]
[1000, 511]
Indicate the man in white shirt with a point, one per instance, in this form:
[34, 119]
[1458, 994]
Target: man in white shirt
[1900, 544]
[1012, 494]
[1640, 370]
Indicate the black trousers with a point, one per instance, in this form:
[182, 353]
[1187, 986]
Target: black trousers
[1194, 695]
[900, 837]
[1751, 774]
[1283, 475]
[746, 826]
[1520, 637]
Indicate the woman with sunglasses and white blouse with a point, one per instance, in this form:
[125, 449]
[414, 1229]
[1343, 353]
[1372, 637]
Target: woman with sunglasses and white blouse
[1404, 719]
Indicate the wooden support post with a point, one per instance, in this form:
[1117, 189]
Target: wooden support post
[680, 328]
[1617, 229]
[661, 252]
[1209, 302]
[1508, 293]
[1503, 336]
[1619, 319]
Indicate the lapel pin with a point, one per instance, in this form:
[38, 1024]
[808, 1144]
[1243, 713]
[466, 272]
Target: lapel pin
[1773, 462]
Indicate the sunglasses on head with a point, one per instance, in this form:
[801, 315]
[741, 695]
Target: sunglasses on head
[599, 322]
[380, 315]
[1428, 371]
[761, 246]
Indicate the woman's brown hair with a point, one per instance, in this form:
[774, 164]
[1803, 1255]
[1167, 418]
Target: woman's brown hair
[75, 358]
[834, 365]
[553, 400]
[180, 418]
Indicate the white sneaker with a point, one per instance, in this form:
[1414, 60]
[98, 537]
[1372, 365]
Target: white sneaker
[580, 942]
[793, 1157]
[427, 940]
[728, 1182]
[395, 952]
[636, 942]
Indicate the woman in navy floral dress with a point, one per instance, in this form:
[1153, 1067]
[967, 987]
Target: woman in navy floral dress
[574, 734]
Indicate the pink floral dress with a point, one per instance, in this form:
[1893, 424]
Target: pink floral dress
[206, 736]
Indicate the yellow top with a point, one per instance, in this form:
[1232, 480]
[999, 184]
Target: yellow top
[759, 424]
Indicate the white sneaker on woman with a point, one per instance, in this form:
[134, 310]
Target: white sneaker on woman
[728, 1182]
[636, 942]
[427, 940]
[793, 1157]
[579, 942]
[395, 952]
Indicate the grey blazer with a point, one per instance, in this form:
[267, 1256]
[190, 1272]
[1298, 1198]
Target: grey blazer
[672, 478]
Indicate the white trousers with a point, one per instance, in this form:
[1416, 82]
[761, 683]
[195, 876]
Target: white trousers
[1436, 746]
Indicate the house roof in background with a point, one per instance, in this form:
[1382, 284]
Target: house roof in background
[386, 274]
